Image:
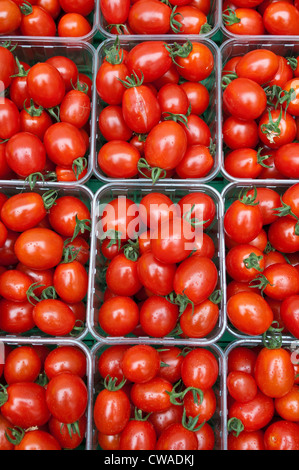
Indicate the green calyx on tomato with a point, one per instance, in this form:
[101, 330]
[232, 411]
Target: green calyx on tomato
[120, 28]
[138, 415]
[178, 50]
[72, 428]
[216, 297]
[79, 165]
[190, 423]
[248, 199]
[21, 70]
[55, 113]
[33, 111]
[227, 79]
[182, 301]
[194, 222]
[70, 253]
[48, 293]
[110, 383]
[272, 338]
[272, 130]
[113, 55]
[183, 118]
[260, 282]
[292, 62]
[156, 172]
[79, 86]
[131, 250]
[26, 8]
[175, 25]
[16, 435]
[285, 211]
[235, 426]
[253, 262]
[230, 17]
[7, 45]
[114, 236]
[3, 395]
[49, 198]
[133, 81]
[174, 396]
[81, 227]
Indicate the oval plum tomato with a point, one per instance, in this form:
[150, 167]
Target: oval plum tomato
[107, 442]
[149, 17]
[282, 435]
[290, 314]
[280, 281]
[268, 200]
[238, 133]
[38, 441]
[150, 59]
[260, 65]
[253, 440]
[254, 415]
[73, 25]
[196, 163]
[110, 362]
[120, 219]
[39, 248]
[156, 208]
[244, 21]
[115, 12]
[173, 100]
[111, 411]
[51, 6]
[35, 120]
[241, 386]
[44, 278]
[283, 74]
[11, 17]
[245, 99]
[198, 96]
[112, 124]
[119, 159]
[205, 437]
[25, 154]
[23, 211]
[22, 365]
[16, 317]
[7, 70]
[288, 406]
[140, 363]
[64, 144]
[14, 285]
[173, 358]
[54, 317]
[200, 369]
[165, 145]
[75, 108]
[65, 359]
[119, 316]
[156, 276]
[200, 322]
[61, 433]
[67, 397]
[121, 276]
[282, 235]
[158, 317]
[205, 409]
[192, 20]
[198, 65]
[244, 263]
[163, 419]
[242, 359]
[41, 79]
[243, 221]
[287, 160]
[277, 128]
[65, 214]
[36, 21]
[109, 77]
[197, 131]
[244, 163]
[67, 69]
[25, 405]
[71, 282]
[199, 207]
[249, 313]
[196, 278]
[177, 437]
[77, 6]
[152, 396]
[138, 435]
[9, 119]
[281, 18]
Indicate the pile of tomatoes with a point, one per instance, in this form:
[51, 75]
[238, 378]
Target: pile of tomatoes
[263, 398]
[153, 111]
[46, 18]
[159, 273]
[44, 119]
[156, 17]
[44, 251]
[43, 398]
[261, 17]
[262, 261]
[156, 399]
[260, 116]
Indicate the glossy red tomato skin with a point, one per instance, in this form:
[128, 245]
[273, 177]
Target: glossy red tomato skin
[107, 442]
[16, 317]
[189, 276]
[259, 65]
[248, 217]
[119, 316]
[173, 358]
[4, 428]
[254, 415]
[206, 409]
[108, 78]
[23, 211]
[281, 18]
[138, 435]
[119, 159]
[246, 305]
[274, 372]
[286, 160]
[198, 65]
[38, 23]
[287, 406]
[151, 397]
[244, 99]
[163, 419]
[205, 437]
[200, 369]
[41, 77]
[282, 235]
[158, 317]
[253, 440]
[202, 321]
[238, 133]
[22, 365]
[287, 128]
[121, 276]
[71, 282]
[64, 144]
[75, 108]
[25, 154]
[241, 386]
[177, 438]
[149, 18]
[150, 59]
[65, 359]
[41, 277]
[111, 412]
[67, 69]
[54, 317]
[73, 25]
[110, 362]
[113, 126]
[19, 410]
[60, 432]
[236, 259]
[115, 12]
[242, 359]
[62, 215]
[140, 363]
[141, 109]
[156, 276]
[282, 435]
[251, 23]
[201, 205]
[10, 18]
[283, 281]
[290, 314]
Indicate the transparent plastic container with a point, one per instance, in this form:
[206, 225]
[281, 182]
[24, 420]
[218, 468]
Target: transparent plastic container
[229, 195]
[239, 47]
[53, 344]
[83, 55]
[212, 116]
[86, 196]
[214, 19]
[135, 192]
[217, 422]
[248, 343]
[92, 18]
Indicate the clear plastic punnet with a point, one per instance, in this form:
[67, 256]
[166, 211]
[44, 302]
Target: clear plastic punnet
[97, 272]
[284, 46]
[214, 20]
[229, 195]
[85, 195]
[217, 422]
[83, 55]
[212, 115]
